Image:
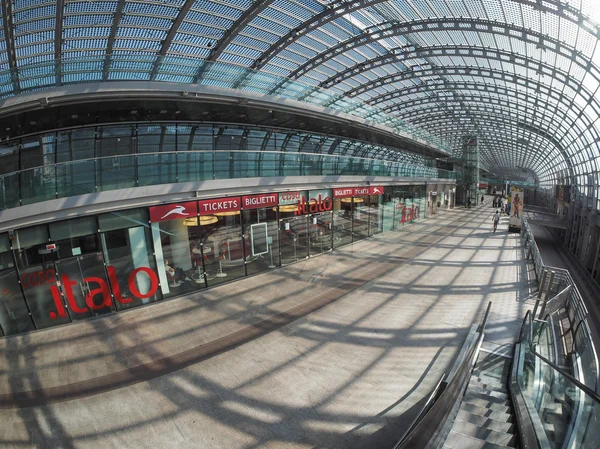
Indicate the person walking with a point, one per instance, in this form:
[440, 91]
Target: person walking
[496, 220]
[481, 199]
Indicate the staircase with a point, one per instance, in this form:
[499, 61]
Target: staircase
[485, 419]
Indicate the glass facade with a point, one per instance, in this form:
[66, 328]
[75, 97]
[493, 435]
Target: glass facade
[89, 160]
[76, 269]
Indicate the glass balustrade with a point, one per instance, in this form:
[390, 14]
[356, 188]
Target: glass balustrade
[125, 171]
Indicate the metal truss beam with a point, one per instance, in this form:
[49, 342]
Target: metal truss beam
[111, 38]
[9, 39]
[438, 72]
[481, 111]
[476, 87]
[166, 43]
[556, 7]
[401, 55]
[498, 75]
[392, 29]
[257, 7]
[434, 119]
[312, 24]
[407, 109]
[58, 40]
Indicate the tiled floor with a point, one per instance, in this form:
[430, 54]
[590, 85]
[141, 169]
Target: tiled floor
[338, 351]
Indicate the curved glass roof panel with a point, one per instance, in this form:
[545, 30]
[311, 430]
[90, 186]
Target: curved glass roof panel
[475, 60]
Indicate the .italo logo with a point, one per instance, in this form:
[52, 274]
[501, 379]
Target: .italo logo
[314, 205]
[102, 289]
[178, 210]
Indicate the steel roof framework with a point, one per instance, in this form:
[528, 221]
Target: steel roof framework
[471, 62]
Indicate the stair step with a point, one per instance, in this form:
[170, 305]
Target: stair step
[488, 381]
[492, 414]
[487, 404]
[486, 378]
[486, 397]
[474, 383]
[458, 441]
[487, 392]
[481, 433]
[488, 423]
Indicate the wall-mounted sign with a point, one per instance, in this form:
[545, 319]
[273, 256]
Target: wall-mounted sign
[318, 201]
[173, 211]
[345, 192]
[263, 200]
[208, 207]
[290, 197]
[370, 190]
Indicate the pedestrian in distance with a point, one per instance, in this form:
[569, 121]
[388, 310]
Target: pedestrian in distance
[496, 220]
[481, 199]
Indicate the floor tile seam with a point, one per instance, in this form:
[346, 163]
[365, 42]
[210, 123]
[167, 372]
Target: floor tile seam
[64, 389]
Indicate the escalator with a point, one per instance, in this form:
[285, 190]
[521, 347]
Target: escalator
[486, 418]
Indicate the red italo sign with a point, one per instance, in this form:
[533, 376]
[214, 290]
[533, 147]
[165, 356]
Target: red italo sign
[409, 214]
[101, 291]
[173, 211]
[263, 200]
[208, 207]
[314, 205]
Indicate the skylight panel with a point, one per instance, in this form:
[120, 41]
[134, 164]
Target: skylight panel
[273, 27]
[261, 34]
[233, 10]
[309, 45]
[319, 36]
[250, 42]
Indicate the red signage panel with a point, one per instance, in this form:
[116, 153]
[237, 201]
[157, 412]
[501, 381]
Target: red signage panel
[344, 192]
[263, 200]
[369, 190]
[173, 211]
[347, 192]
[208, 207]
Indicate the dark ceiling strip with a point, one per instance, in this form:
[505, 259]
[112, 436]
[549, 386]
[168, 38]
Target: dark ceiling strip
[111, 38]
[7, 23]
[58, 39]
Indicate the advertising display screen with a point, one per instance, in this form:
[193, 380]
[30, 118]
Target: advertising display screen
[515, 209]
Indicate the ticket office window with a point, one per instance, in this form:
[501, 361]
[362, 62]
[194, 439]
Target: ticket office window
[261, 229]
[14, 315]
[226, 248]
[342, 222]
[127, 248]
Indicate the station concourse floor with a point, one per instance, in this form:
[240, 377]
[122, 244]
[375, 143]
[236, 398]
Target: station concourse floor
[337, 351]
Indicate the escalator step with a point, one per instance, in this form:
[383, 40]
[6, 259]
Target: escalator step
[458, 441]
[486, 412]
[485, 434]
[485, 422]
[488, 392]
[475, 384]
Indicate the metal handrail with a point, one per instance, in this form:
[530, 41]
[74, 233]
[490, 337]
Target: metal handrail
[430, 401]
[441, 411]
[581, 386]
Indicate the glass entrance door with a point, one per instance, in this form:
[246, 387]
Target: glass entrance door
[84, 285]
[320, 234]
[293, 235]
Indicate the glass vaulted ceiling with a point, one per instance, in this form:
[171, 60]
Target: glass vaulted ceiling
[522, 75]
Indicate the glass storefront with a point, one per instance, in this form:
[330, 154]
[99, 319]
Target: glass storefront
[77, 269]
